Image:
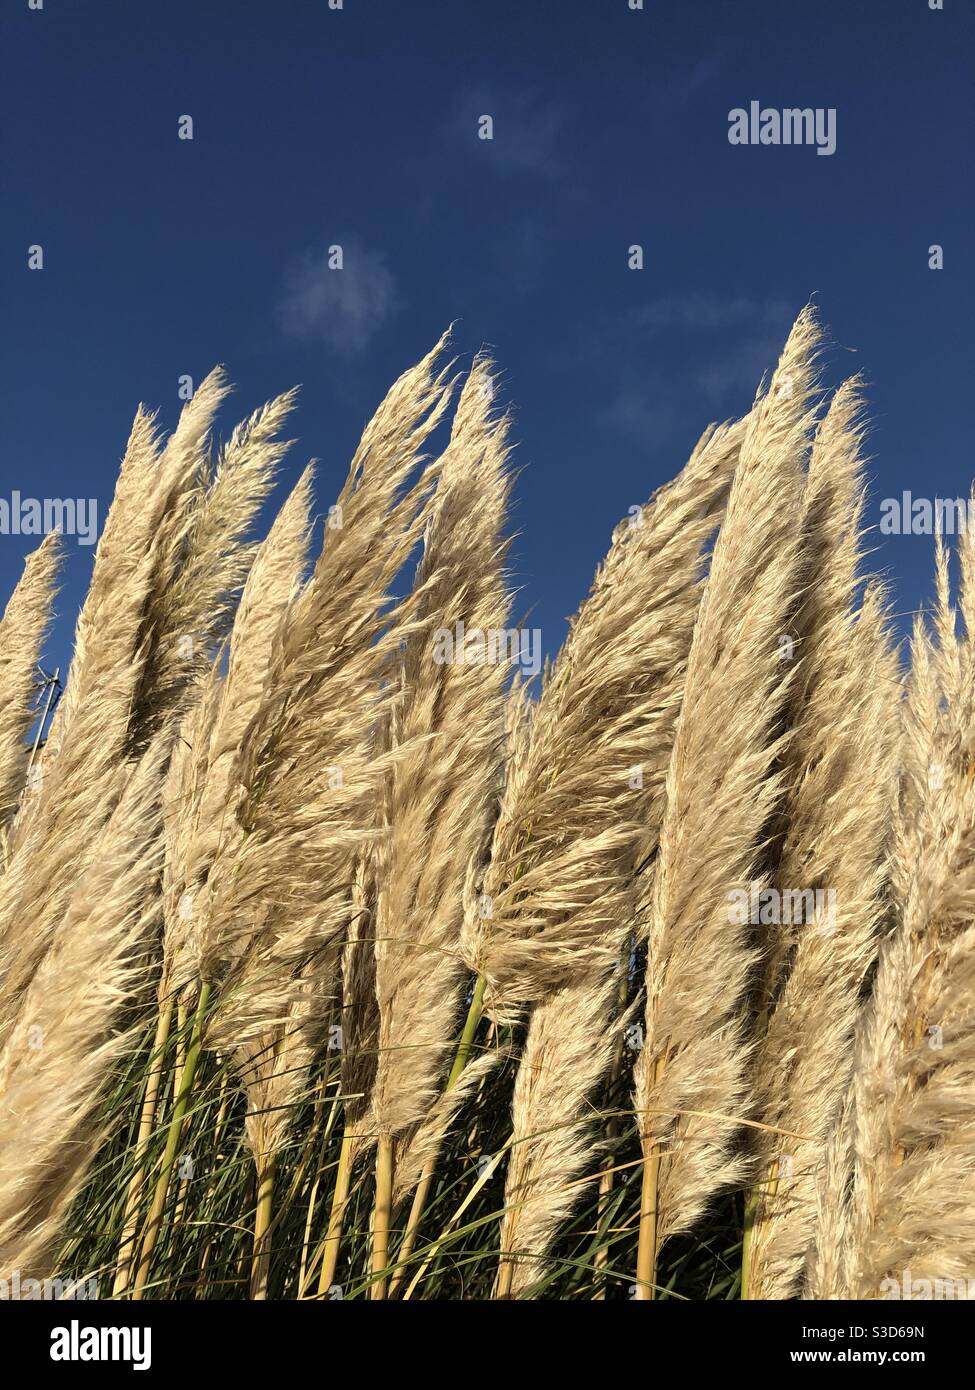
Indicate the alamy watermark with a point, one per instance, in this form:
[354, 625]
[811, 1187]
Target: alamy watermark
[908, 515]
[17, 1289]
[509, 646]
[77, 1343]
[756, 906]
[34, 516]
[792, 125]
[926, 1290]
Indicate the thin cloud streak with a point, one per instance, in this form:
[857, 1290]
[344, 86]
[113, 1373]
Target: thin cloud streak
[342, 308]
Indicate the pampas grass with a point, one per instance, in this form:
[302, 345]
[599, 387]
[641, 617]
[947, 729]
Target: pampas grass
[66, 1031]
[895, 1200]
[329, 960]
[591, 799]
[22, 630]
[840, 762]
[691, 1078]
[447, 748]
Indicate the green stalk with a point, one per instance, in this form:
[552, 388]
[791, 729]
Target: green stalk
[601, 1258]
[467, 1036]
[328, 1251]
[751, 1211]
[333, 1236]
[172, 1143]
[422, 1193]
[147, 1119]
[217, 1141]
[752, 1225]
[181, 1016]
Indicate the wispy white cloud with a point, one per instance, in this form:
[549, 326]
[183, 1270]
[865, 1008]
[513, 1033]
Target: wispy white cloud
[742, 370]
[342, 308]
[723, 346]
[528, 129]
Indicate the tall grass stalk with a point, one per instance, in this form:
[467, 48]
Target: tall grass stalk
[475, 1013]
[187, 1076]
[382, 1215]
[333, 1236]
[261, 1263]
[147, 1120]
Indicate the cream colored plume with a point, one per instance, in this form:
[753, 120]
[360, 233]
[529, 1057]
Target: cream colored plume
[844, 718]
[585, 794]
[22, 629]
[68, 1028]
[447, 751]
[896, 1208]
[723, 788]
[77, 784]
[204, 781]
[130, 669]
[578, 826]
[307, 778]
[205, 558]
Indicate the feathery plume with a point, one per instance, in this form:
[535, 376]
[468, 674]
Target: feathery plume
[584, 797]
[722, 790]
[77, 786]
[66, 1034]
[838, 807]
[586, 800]
[910, 1140]
[360, 1008]
[22, 628]
[447, 745]
[204, 559]
[307, 777]
[204, 779]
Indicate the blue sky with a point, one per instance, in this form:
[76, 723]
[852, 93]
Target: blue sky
[358, 127]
